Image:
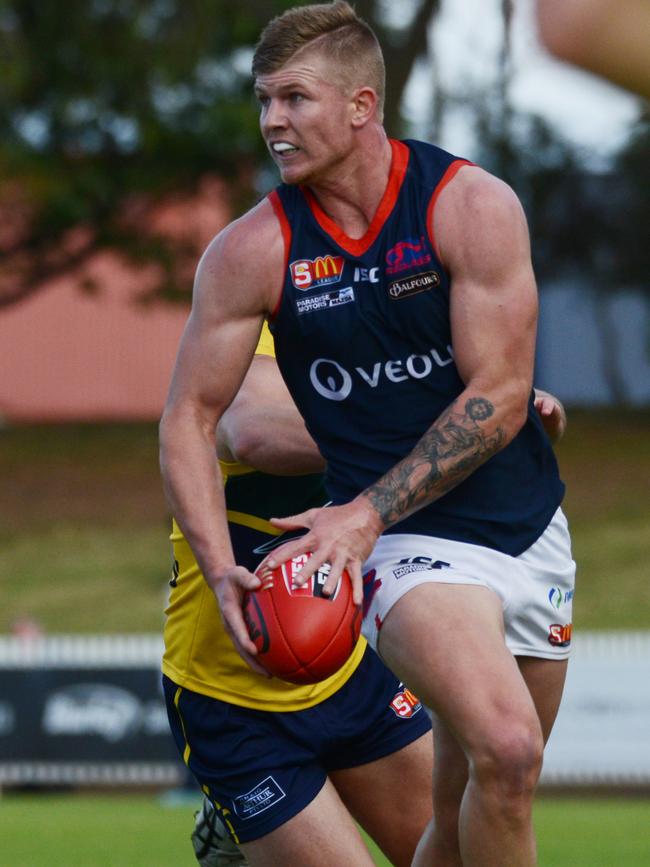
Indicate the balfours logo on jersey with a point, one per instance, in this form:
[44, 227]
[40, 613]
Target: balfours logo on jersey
[407, 254]
[412, 285]
[321, 271]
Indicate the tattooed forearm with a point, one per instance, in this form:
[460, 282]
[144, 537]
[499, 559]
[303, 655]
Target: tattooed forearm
[447, 453]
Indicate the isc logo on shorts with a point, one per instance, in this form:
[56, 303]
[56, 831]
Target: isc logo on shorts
[405, 704]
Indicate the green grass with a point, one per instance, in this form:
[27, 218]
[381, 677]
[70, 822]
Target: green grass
[83, 523]
[136, 831]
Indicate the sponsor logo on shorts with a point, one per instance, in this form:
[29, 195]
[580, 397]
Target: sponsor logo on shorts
[557, 597]
[407, 254]
[559, 634]
[325, 301]
[321, 271]
[413, 285]
[265, 794]
[405, 704]
[418, 564]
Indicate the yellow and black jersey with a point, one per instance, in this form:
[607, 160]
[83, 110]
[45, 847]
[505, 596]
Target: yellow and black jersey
[199, 655]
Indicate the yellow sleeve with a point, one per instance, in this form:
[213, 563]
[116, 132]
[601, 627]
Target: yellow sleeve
[265, 345]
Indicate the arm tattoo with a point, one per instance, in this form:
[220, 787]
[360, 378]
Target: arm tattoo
[448, 452]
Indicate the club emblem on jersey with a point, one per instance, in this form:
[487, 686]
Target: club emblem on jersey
[308, 273]
[407, 254]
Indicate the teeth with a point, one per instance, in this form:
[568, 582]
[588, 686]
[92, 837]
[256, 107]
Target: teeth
[281, 147]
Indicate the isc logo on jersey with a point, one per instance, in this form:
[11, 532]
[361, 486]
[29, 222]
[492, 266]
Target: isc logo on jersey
[314, 585]
[308, 273]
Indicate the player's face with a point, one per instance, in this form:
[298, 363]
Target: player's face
[304, 118]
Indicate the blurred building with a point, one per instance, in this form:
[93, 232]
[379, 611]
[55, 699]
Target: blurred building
[67, 354]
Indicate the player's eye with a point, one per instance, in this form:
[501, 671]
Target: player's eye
[296, 97]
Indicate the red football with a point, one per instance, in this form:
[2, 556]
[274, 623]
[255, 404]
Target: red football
[302, 636]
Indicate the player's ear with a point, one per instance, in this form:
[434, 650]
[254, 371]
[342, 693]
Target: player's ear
[364, 105]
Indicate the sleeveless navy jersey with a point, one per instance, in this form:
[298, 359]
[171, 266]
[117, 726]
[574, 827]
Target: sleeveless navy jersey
[362, 338]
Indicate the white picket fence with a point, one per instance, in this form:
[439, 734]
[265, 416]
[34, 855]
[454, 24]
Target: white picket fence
[601, 737]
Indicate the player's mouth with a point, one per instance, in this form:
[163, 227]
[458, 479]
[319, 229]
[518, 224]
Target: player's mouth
[283, 149]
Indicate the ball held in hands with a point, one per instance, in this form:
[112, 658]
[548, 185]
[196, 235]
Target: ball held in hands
[301, 635]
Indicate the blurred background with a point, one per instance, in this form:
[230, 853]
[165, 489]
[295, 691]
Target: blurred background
[128, 138]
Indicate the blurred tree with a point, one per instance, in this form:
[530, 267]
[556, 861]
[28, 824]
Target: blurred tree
[586, 226]
[108, 106]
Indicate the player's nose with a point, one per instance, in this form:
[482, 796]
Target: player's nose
[274, 116]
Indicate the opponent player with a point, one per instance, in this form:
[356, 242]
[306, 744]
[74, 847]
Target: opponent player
[285, 767]
[399, 286]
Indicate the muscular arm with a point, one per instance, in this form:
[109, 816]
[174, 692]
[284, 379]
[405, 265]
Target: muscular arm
[262, 427]
[483, 239]
[234, 288]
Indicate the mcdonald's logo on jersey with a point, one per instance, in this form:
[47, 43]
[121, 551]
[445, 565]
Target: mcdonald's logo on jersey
[321, 271]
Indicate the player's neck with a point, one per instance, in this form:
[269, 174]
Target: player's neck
[351, 195]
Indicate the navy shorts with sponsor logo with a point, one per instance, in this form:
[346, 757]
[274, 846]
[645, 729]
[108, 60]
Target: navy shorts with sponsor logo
[262, 768]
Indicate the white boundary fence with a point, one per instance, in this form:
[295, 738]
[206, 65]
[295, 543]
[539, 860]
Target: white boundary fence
[89, 710]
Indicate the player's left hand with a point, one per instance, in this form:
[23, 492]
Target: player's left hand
[342, 536]
[552, 414]
[229, 589]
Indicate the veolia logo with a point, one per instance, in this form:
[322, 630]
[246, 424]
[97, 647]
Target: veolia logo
[330, 379]
[334, 382]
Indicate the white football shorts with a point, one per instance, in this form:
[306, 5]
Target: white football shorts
[536, 588]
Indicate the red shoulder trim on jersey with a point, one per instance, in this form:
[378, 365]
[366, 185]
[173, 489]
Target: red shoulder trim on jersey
[278, 208]
[358, 246]
[444, 180]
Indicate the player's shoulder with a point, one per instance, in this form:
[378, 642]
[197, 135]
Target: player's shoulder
[245, 260]
[252, 241]
[476, 210]
[475, 190]
[245, 238]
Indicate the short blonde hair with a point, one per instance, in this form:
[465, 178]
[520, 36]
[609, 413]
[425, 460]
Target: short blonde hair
[335, 30]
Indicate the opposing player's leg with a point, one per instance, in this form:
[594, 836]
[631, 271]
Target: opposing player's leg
[447, 642]
[321, 835]
[391, 798]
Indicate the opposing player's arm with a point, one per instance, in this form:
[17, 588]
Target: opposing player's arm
[262, 427]
[552, 413]
[234, 288]
[483, 240]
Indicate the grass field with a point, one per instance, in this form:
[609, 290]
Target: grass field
[135, 831]
[83, 522]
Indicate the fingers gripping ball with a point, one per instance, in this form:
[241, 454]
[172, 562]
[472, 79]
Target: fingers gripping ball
[301, 635]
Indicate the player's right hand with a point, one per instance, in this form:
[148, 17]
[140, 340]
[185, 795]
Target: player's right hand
[229, 589]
